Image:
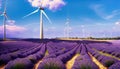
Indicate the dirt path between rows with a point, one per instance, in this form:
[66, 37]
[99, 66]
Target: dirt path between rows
[97, 62]
[107, 54]
[37, 64]
[70, 63]
[2, 67]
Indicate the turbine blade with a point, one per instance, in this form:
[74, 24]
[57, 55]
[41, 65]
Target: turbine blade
[2, 15]
[46, 16]
[6, 16]
[31, 13]
[5, 6]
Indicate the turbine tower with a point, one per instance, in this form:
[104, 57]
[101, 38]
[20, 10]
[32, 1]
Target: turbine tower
[4, 14]
[41, 24]
[67, 29]
[41, 20]
[83, 31]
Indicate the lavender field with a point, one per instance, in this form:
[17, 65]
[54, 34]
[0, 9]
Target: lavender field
[59, 54]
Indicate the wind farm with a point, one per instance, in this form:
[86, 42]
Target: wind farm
[59, 34]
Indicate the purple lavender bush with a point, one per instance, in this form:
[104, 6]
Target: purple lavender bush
[51, 63]
[84, 62]
[83, 50]
[108, 61]
[20, 63]
[115, 66]
[5, 58]
[32, 58]
[67, 56]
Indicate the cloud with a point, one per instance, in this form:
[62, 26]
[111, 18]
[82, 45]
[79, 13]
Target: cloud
[50, 4]
[55, 4]
[114, 13]
[15, 28]
[12, 29]
[117, 23]
[100, 10]
[52, 29]
[10, 22]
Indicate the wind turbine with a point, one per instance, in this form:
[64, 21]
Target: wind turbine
[4, 14]
[67, 29]
[41, 9]
[83, 30]
[103, 33]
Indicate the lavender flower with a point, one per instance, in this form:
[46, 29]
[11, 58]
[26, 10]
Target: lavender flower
[20, 64]
[51, 63]
[115, 66]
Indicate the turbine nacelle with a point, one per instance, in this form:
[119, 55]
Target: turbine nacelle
[41, 8]
[4, 13]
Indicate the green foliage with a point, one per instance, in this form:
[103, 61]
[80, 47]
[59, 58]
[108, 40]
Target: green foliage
[32, 60]
[85, 67]
[18, 66]
[109, 63]
[51, 66]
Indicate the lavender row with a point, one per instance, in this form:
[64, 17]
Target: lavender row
[12, 46]
[5, 58]
[51, 63]
[107, 48]
[84, 62]
[68, 55]
[115, 66]
[105, 60]
[27, 62]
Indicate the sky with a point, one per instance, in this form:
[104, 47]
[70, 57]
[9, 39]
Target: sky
[95, 18]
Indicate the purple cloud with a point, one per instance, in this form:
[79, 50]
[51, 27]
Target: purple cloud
[50, 4]
[12, 29]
